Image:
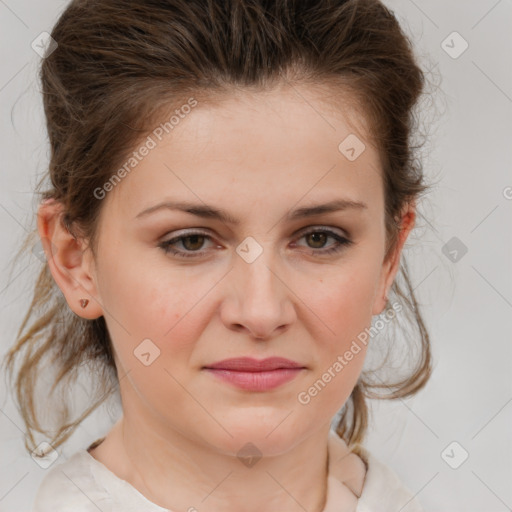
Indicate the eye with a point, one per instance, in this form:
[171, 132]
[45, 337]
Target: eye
[319, 236]
[193, 242]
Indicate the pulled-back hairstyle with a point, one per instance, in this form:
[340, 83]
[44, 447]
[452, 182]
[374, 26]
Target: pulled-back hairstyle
[119, 64]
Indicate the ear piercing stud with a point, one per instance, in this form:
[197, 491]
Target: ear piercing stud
[84, 302]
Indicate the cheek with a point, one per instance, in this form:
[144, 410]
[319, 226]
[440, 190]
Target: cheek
[341, 343]
[342, 305]
[342, 301]
[142, 303]
[151, 299]
[148, 306]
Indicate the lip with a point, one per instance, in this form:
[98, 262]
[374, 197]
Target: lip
[255, 375]
[248, 364]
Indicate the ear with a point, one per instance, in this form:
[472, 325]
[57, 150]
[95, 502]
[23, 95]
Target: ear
[390, 267]
[70, 262]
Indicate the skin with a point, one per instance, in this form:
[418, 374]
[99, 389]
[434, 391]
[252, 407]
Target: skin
[259, 156]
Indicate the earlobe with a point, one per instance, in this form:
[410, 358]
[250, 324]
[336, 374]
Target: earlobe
[70, 264]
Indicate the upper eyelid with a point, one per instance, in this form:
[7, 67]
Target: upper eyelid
[319, 227]
[204, 231]
[330, 232]
[341, 240]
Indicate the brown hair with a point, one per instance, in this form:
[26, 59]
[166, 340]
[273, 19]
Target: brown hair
[119, 64]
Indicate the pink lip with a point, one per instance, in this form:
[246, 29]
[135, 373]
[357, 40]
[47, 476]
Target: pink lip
[256, 375]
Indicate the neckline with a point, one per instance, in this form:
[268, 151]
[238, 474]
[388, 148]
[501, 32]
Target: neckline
[337, 450]
[110, 479]
[335, 486]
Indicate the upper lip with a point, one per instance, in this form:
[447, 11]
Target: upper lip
[248, 364]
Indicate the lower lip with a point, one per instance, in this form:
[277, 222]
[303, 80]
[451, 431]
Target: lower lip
[257, 381]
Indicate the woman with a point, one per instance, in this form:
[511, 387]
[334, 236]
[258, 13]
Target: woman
[232, 185]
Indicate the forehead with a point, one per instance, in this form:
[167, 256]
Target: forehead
[266, 147]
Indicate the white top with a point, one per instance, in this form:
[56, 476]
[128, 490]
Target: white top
[84, 484]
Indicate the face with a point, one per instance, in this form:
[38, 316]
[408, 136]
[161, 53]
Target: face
[181, 291]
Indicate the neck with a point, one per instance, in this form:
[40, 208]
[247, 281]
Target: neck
[180, 473]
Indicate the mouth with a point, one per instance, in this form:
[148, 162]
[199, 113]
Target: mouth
[256, 375]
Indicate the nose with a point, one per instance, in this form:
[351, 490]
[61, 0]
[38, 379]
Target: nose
[261, 299]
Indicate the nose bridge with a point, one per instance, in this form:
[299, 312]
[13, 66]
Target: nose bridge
[261, 292]
[257, 273]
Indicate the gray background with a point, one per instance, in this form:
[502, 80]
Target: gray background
[467, 303]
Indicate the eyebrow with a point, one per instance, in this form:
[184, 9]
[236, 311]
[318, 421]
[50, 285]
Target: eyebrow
[211, 212]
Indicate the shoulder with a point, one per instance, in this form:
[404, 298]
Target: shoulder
[377, 486]
[70, 486]
[383, 490]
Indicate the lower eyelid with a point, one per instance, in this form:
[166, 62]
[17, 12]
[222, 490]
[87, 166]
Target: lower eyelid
[340, 242]
[169, 243]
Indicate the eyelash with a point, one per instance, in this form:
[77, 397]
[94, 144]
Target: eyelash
[342, 242]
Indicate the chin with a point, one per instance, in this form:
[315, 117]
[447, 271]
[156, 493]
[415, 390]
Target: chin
[255, 437]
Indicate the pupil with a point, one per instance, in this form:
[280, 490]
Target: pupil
[193, 238]
[322, 235]
[317, 238]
